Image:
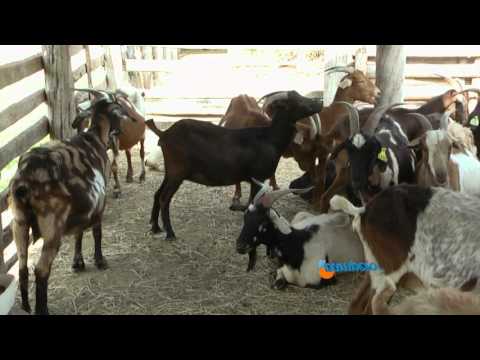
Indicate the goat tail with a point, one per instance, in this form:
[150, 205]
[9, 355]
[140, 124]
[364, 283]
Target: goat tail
[341, 203]
[151, 125]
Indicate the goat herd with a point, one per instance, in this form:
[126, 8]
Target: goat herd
[395, 187]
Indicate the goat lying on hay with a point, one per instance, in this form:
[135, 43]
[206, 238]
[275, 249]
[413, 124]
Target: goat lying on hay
[60, 189]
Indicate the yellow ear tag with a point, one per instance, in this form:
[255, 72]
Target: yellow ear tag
[474, 121]
[382, 155]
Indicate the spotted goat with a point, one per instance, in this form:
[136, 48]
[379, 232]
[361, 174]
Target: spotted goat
[60, 189]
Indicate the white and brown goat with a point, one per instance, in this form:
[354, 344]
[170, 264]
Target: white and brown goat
[430, 232]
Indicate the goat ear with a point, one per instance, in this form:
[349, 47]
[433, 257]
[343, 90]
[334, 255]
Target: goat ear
[345, 83]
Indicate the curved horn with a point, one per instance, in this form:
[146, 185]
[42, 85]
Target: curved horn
[277, 194]
[424, 120]
[263, 189]
[445, 120]
[93, 91]
[353, 118]
[451, 82]
[475, 90]
[374, 118]
[349, 69]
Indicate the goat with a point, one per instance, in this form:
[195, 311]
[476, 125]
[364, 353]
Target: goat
[443, 301]
[429, 232]
[59, 189]
[315, 141]
[244, 112]
[379, 155]
[447, 158]
[215, 156]
[473, 121]
[133, 132]
[300, 246]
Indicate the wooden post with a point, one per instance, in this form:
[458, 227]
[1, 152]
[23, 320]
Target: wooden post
[155, 75]
[389, 73]
[331, 80]
[59, 90]
[113, 66]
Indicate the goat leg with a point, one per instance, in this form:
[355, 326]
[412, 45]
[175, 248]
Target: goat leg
[236, 205]
[252, 259]
[20, 234]
[156, 209]
[42, 272]
[129, 166]
[142, 157]
[100, 261]
[116, 189]
[338, 184]
[171, 188]
[78, 263]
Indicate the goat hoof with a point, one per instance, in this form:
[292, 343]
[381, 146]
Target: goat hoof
[129, 179]
[280, 284]
[42, 311]
[237, 207]
[27, 308]
[78, 265]
[116, 194]
[101, 263]
[170, 238]
[142, 177]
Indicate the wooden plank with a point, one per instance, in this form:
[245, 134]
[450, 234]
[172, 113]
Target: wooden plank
[82, 69]
[3, 268]
[16, 111]
[89, 65]
[438, 51]
[7, 237]
[75, 49]
[24, 141]
[426, 71]
[3, 201]
[15, 71]
[59, 89]
[158, 65]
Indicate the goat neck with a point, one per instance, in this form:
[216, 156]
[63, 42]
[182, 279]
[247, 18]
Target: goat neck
[281, 131]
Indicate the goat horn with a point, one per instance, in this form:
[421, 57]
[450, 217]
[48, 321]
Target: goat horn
[93, 91]
[445, 120]
[277, 95]
[347, 69]
[277, 194]
[353, 118]
[424, 120]
[451, 82]
[263, 190]
[475, 90]
[374, 118]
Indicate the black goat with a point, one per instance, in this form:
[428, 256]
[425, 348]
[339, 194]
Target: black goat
[211, 155]
[379, 156]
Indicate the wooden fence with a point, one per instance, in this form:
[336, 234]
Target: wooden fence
[424, 68]
[64, 67]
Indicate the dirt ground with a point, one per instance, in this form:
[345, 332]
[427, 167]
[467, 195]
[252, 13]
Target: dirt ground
[200, 273]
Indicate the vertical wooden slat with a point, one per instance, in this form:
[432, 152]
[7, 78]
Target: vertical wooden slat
[3, 268]
[155, 75]
[58, 89]
[361, 59]
[88, 64]
[390, 71]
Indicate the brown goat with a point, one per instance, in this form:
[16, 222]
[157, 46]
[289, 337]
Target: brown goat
[244, 112]
[316, 137]
[132, 132]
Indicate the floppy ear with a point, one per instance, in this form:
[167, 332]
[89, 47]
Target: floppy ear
[345, 83]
